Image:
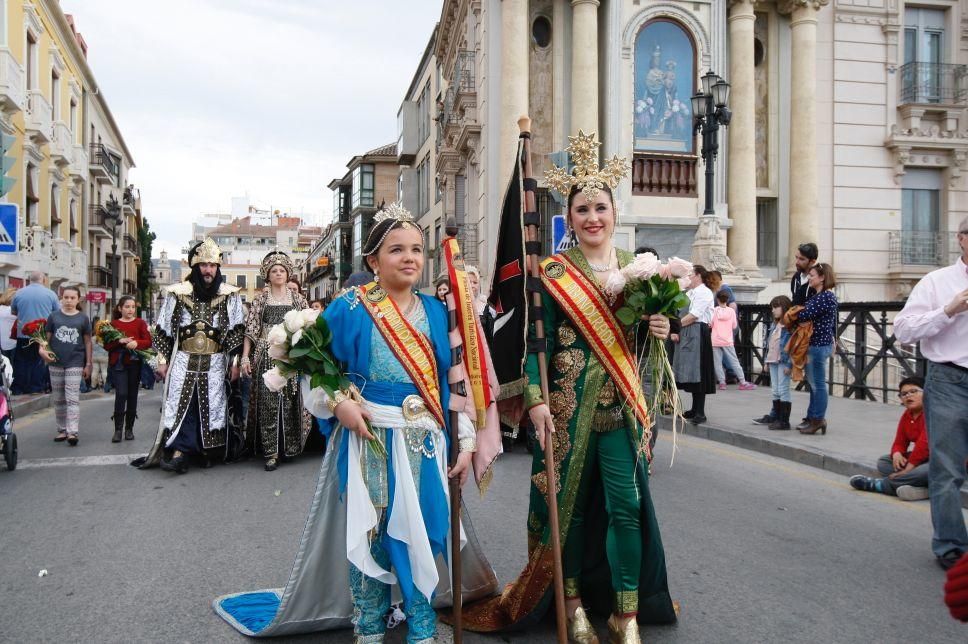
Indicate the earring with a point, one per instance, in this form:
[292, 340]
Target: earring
[376, 277]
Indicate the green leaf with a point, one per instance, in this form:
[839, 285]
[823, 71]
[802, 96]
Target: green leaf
[626, 316]
[316, 380]
[636, 300]
[652, 305]
[299, 350]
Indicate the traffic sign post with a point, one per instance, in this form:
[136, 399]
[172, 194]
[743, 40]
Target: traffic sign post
[560, 239]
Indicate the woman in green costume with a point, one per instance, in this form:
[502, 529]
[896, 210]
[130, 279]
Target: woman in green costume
[611, 550]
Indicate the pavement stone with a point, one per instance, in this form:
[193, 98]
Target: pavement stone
[858, 433]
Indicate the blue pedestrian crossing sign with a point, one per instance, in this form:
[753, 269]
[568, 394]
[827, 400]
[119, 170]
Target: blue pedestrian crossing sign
[8, 227]
[560, 239]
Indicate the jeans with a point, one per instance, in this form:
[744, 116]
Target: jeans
[945, 403]
[727, 355]
[779, 382]
[127, 379]
[816, 375]
[917, 477]
[30, 375]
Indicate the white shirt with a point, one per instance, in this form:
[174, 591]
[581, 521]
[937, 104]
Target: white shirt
[7, 318]
[701, 303]
[923, 319]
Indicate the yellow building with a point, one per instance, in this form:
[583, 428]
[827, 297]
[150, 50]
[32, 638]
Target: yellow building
[70, 158]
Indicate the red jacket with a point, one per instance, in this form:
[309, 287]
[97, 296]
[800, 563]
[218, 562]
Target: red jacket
[911, 430]
[137, 330]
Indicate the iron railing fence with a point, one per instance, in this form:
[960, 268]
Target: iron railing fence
[908, 248]
[933, 83]
[868, 362]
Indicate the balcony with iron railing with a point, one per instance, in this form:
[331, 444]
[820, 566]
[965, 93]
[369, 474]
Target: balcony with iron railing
[97, 221]
[102, 164]
[98, 277]
[131, 245]
[912, 250]
[460, 99]
[933, 83]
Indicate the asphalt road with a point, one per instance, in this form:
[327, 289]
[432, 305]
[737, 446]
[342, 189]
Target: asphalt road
[759, 549]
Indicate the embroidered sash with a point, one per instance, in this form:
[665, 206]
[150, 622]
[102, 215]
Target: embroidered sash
[468, 327]
[584, 304]
[409, 346]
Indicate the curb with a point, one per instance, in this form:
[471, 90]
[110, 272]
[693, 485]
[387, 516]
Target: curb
[23, 408]
[802, 455]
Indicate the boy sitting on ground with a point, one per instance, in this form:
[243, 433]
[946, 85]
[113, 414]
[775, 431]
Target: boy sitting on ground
[905, 469]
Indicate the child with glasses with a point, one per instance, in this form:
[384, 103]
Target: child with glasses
[905, 469]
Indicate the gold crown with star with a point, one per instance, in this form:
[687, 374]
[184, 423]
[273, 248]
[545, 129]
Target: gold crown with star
[393, 211]
[207, 252]
[587, 175]
[276, 258]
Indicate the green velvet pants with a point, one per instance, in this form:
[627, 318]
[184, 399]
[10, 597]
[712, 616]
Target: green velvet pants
[610, 461]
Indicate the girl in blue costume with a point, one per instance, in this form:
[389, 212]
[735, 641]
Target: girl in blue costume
[386, 516]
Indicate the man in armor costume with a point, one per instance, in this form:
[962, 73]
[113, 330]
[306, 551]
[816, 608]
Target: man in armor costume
[199, 339]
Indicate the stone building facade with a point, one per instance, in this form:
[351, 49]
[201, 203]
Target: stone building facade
[848, 125]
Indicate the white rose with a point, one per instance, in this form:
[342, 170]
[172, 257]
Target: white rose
[293, 321]
[615, 282]
[274, 379]
[279, 352]
[277, 335]
[296, 337]
[308, 317]
[642, 267]
[314, 400]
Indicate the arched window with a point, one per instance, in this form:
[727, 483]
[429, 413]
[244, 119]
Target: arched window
[665, 80]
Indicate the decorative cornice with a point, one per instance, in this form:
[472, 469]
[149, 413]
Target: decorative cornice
[789, 6]
[668, 10]
[857, 19]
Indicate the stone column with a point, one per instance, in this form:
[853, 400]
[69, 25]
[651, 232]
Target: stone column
[584, 66]
[742, 138]
[803, 120]
[514, 81]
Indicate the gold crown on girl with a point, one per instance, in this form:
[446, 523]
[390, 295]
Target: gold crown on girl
[587, 175]
[207, 252]
[394, 211]
[276, 258]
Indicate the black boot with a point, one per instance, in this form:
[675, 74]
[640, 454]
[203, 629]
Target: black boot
[129, 419]
[783, 419]
[118, 423]
[768, 419]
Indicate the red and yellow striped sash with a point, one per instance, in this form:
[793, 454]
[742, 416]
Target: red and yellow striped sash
[411, 348]
[584, 304]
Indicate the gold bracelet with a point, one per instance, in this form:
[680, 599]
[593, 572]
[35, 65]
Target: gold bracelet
[338, 397]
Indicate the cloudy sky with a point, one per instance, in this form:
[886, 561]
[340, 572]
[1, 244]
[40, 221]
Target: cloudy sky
[265, 98]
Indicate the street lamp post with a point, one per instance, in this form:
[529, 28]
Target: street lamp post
[709, 113]
[112, 218]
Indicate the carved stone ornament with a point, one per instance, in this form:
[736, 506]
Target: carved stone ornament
[789, 6]
[709, 246]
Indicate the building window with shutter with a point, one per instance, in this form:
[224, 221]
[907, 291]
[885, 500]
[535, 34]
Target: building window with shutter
[30, 207]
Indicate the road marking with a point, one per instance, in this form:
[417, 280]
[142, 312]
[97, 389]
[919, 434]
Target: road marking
[829, 480]
[77, 461]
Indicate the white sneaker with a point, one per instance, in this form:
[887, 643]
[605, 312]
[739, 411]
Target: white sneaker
[912, 493]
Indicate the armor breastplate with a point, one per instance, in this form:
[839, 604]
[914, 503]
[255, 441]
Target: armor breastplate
[199, 338]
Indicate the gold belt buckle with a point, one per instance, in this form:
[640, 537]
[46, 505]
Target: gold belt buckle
[414, 408]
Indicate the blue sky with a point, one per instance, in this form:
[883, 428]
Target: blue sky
[269, 98]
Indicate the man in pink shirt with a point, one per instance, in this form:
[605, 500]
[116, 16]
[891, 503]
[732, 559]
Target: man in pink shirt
[936, 315]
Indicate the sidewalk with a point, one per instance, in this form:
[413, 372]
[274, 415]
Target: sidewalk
[26, 404]
[858, 433]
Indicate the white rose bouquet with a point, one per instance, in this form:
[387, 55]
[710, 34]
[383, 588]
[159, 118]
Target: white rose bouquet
[651, 288]
[301, 344]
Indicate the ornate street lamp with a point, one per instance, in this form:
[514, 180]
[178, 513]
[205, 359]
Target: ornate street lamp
[709, 113]
[112, 217]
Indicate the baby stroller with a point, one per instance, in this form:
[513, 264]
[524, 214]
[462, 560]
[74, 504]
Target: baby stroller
[8, 440]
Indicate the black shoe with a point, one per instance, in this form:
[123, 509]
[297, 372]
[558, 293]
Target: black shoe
[128, 435]
[949, 559]
[688, 414]
[697, 419]
[117, 436]
[176, 464]
[767, 419]
[271, 464]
